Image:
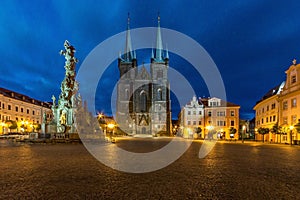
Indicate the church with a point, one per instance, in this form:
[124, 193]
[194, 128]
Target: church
[143, 98]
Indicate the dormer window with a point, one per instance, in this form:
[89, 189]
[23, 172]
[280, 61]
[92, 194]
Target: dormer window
[293, 79]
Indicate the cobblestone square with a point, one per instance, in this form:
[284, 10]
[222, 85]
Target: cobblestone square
[230, 171]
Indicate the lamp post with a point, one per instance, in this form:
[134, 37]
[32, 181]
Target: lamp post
[291, 132]
[244, 132]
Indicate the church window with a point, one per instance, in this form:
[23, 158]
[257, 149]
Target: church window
[159, 94]
[126, 94]
[143, 101]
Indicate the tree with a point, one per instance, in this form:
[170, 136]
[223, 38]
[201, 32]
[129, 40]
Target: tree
[277, 130]
[263, 131]
[11, 124]
[232, 131]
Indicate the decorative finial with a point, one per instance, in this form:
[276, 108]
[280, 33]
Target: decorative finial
[128, 18]
[294, 61]
[158, 17]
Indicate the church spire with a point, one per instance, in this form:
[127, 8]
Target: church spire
[159, 47]
[128, 48]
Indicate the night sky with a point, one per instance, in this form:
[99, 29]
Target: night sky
[252, 42]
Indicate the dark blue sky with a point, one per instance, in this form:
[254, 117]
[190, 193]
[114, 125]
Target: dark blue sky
[252, 42]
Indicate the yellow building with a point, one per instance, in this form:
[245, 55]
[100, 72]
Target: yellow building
[20, 113]
[266, 114]
[221, 116]
[289, 104]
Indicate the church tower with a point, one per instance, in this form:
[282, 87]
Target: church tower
[161, 113]
[127, 64]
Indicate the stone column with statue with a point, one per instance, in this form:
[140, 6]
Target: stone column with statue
[63, 109]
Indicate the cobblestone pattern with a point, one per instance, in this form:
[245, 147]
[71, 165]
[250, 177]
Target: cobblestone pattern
[230, 171]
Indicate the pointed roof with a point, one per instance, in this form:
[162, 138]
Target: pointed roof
[143, 74]
[159, 46]
[128, 47]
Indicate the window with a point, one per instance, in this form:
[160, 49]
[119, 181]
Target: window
[263, 110]
[209, 113]
[17, 119]
[189, 112]
[285, 120]
[3, 106]
[189, 122]
[294, 103]
[267, 108]
[221, 123]
[270, 118]
[9, 107]
[27, 111]
[200, 113]
[285, 105]
[273, 106]
[143, 102]
[194, 112]
[274, 118]
[17, 109]
[199, 122]
[159, 94]
[294, 119]
[267, 119]
[221, 113]
[33, 112]
[194, 122]
[126, 94]
[293, 79]
[22, 109]
[262, 121]
[232, 123]
[232, 113]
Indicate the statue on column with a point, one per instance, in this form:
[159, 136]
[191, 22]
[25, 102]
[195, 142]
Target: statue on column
[63, 111]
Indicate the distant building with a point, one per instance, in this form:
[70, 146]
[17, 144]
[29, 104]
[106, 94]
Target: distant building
[210, 115]
[21, 113]
[143, 98]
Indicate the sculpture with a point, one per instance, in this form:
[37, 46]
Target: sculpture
[63, 112]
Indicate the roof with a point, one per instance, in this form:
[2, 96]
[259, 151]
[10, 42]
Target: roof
[272, 92]
[223, 103]
[24, 98]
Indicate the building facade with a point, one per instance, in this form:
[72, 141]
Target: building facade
[267, 114]
[213, 115]
[191, 119]
[279, 108]
[289, 103]
[20, 113]
[143, 98]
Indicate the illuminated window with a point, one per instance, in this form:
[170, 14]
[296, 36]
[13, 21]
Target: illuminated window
[285, 105]
[232, 113]
[294, 103]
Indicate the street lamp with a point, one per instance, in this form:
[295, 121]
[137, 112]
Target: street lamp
[291, 132]
[244, 132]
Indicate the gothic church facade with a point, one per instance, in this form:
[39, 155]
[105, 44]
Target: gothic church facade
[143, 98]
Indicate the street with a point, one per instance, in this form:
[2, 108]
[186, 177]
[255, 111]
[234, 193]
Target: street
[230, 171]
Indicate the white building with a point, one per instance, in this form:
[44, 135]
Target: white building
[191, 118]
